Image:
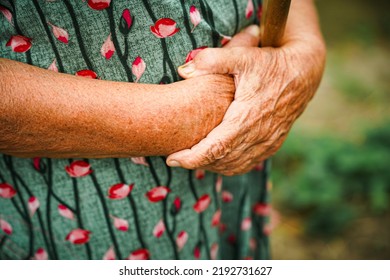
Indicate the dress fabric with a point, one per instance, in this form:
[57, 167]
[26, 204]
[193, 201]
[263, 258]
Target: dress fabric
[133, 208]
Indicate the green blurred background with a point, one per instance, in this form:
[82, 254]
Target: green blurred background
[331, 178]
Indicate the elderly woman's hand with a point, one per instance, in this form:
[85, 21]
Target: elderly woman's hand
[273, 86]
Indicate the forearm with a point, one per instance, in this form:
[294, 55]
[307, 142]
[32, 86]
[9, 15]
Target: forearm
[48, 114]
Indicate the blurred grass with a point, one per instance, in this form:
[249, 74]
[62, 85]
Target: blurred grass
[332, 175]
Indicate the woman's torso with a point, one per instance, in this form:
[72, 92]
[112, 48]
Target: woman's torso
[61, 202]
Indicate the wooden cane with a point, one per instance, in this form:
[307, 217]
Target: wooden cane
[273, 22]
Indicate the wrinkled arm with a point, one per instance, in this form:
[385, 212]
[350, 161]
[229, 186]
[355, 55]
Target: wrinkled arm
[48, 114]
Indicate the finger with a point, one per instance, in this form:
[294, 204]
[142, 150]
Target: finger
[249, 37]
[215, 146]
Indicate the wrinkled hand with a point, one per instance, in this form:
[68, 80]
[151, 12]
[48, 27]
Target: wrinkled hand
[273, 86]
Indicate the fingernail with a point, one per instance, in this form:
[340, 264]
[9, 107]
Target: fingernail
[188, 68]
[173, 163]
[253, 30]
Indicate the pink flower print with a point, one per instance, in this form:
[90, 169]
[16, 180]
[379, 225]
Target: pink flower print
[53, 66]
[65, 212]
[252, 244]
[87, 74]
[214, 251]
[108, 48]
[164, 28]
[181, 239]
[261, 209]
[33, 204]
[7, 191]
[246, 224]
[216, 219]
[6, 227]
[7, 14]
[19, 43]
[60, 33]
[249, 9]
[41, 254]
[140, 254]
[227, 196]
[191, 55]
[78, 168]
[119, 191]
[199, 174]
[99, 4]
[218, 184]
[159, 229]
[126, 22]
[202, 203]
[195, 17]
[138, 68]
[110, 254]
[267, 229]
[139, 161]
[78, 236]
[157, 194]
[121, 224]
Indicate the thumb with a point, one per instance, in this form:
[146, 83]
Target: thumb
[213, 61]
[249, 37]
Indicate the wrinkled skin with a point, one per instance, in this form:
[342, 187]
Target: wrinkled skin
[273, 87]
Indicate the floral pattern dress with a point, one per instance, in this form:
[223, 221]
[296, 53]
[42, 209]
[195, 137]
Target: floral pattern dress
[135, 208]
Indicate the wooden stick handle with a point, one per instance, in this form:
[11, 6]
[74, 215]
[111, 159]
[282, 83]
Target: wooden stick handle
[273, 22]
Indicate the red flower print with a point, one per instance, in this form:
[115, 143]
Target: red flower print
[181, 239]
[126, 22]
[53, 66]
[78, 168]
[37, 163]
[7, 191]
[232, 239]
[41, 255]
[164, 28]
[249, 9]
[246, 224]
[6, 227]
[87, 74]
[176, 206]
[218, 184]
[60, 33]
[159, 229]
[139, 161]
[216, 219]
[214, 251]
[197, 252]
[191, 55]
[138, 68]
[119, 191]
[33, 205]
[19, 43]
[195, 17]
[202, 204]
[99, 4]
[7, 14]
[65, 212]
[157, 194]
[121, 224]
[78, 236]
[261, 209]
[110, 254]
[108, 48]
[227, 197]
[199, 174]
[140, 254]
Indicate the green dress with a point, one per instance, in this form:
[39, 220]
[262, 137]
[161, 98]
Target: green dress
[132, 208]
